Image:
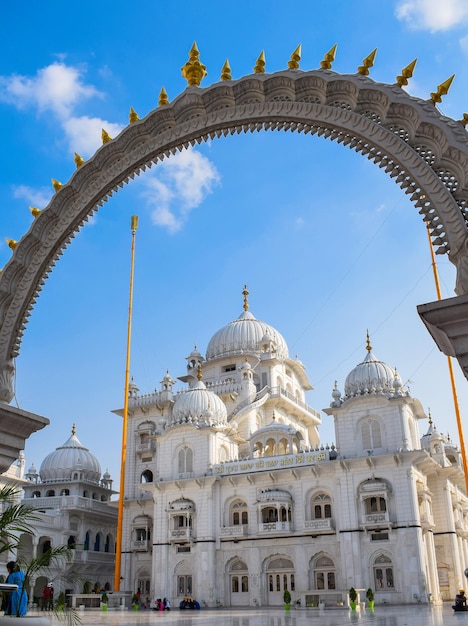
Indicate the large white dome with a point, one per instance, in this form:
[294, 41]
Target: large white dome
[246, 335]
[69, 459]
[371, 377]
[200, 406]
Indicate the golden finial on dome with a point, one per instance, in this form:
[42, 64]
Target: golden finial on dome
[442, 90]
[464, 121]
[133, 116]
[226, 71]
[56, 184]
[406, 72]
[194, 71]
[367, 63]
[260, 64]
[78, 160]
[163, 98]
[293, 63]
[329, 58]
[12, 243]
[34, 211]
[105, 136]
[368, 343]
[74, 429]
[199, 372]
[429, 416]
[245, 293]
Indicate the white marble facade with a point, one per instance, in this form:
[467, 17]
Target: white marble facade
[230, 497]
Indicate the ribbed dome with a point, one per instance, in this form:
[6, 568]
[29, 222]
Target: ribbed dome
[197, 405]
[371, 377]
[70, 458]
[246, 335]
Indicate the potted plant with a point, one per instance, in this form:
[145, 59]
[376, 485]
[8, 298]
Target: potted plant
[287, 599]
[104, 601]
[135, 602]
[353, 598]
[370, 598]
[61, 601]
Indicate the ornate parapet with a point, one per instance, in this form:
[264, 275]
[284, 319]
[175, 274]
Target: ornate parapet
[447, 322]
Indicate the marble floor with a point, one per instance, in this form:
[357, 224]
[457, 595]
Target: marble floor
[382, 616]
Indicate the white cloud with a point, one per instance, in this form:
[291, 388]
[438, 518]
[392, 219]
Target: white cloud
[38, 198]
[432, 15]
[85, 133]
[57, 88]
[179, 184]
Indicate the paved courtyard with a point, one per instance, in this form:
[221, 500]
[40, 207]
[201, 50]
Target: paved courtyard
[381, 616]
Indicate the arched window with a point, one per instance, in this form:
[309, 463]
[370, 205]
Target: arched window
[50, 493]
[71, 543]
[146, 477]
[383, 573]
[371, 434]
[321, 506]
[97, 543]
[239, 513]
[65, 492]
[46, 546]
[85, 493]
[86, 541]
[36, 494]
[185, 460]
[107, 545]
[324, 573]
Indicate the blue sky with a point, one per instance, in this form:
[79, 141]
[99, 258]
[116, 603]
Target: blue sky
[328, 245]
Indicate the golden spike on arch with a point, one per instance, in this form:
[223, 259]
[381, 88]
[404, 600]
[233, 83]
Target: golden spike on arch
[105, 136]
[406, 72]
[163, 99]
[133, 116]
[226, 71]
[464, 121]
[367, 63]
[12, 243]
[442, 90]
[194, 71]
[35, 212]
[329, 58]
[78, 160]
[260, 64]
[293, 63]
[56, 184]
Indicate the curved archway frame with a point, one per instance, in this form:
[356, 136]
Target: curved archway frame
[425, 153]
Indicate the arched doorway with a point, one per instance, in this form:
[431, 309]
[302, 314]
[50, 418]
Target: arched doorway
[279, 577]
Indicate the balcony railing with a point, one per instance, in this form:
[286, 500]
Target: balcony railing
[318, 525]
[241, 530]
[274, 527]
[376, 519]
[181, 534]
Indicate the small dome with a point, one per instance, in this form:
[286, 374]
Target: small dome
[198, 405]
[72, 456]
[371, 377]
[246, 335]
[274, 495]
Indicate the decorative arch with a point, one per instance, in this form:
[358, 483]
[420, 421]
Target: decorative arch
[425, 153]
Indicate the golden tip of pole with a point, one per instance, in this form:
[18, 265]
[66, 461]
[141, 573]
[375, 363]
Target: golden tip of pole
[134, 224]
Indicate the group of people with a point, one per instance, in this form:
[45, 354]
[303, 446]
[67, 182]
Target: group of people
[162, 605]
[189, 603]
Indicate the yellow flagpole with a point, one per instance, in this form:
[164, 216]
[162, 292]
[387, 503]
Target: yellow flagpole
[118, 549]
[450, 366]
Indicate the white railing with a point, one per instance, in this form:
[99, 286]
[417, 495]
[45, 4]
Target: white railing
[235, 531]
[319, 524]
[273, 527]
